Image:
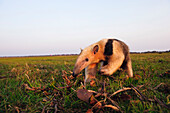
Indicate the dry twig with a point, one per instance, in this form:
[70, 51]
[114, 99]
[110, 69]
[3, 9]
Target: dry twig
[159, 85]
[142, 97]
[161, 103]
[115, 103]
[111, 106]
[124, 89]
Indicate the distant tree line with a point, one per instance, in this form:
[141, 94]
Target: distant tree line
[130, 52]
[78, 54]
[65, 55]
[151, 52]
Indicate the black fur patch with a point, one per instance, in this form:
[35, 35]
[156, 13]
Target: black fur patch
[109, 51]
[106, 61]
[108, 47]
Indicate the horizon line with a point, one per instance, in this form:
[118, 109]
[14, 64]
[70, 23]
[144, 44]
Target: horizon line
[71, 54]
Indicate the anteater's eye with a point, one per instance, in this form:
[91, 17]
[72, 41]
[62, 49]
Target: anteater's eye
[86, 59]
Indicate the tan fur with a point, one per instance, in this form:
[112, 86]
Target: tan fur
[115, 61]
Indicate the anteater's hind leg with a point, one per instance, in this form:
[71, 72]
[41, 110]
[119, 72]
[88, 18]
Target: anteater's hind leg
[128, 68]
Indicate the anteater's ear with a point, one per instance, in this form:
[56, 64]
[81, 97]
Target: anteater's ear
[95, 49]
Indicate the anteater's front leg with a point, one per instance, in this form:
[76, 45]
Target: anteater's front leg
[90, 72]
[114, 63]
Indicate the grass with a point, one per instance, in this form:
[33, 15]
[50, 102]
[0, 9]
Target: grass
[44, 75]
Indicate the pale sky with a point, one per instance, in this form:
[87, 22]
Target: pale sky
[44, 27]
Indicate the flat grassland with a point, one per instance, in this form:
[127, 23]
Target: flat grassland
[43, 84]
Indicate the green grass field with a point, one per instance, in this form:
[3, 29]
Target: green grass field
[43, 84]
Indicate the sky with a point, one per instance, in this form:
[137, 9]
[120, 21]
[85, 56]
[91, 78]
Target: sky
[48, 27]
